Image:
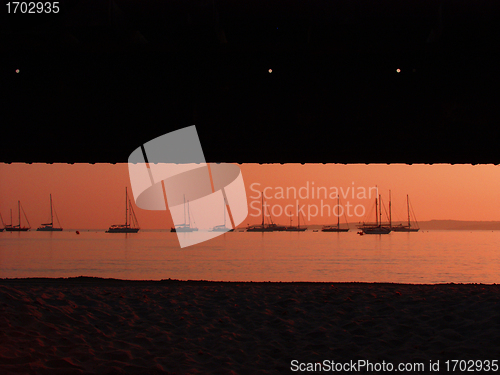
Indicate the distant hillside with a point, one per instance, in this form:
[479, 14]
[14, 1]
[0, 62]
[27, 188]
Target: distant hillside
[459, 225]
[442, 225]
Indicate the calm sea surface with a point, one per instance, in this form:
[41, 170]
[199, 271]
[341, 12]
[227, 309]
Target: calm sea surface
[422, 257]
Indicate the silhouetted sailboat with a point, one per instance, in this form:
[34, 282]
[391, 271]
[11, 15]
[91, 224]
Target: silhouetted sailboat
[329, 228]
[407, 228]
[377, 228]
[263, 227]
[18, 228]
[298, 228]
[49, 227]
[130, 226]
[185, 227]
[222, 228]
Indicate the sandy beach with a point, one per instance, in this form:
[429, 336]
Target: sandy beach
[105, 326]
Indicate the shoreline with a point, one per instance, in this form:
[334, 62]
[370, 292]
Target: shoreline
[90, 325]
[115, 281]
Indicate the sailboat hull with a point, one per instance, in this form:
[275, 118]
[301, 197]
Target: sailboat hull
[295, 229]
[403, 229]
[221, 228]
[17, 229]
[122, 230]
[335, 230]
[376, 230]
[48, 229]
[183, 229]
[260, 229]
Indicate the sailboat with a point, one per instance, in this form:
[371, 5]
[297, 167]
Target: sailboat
[18, 228]
[297, 228]
[330, 228]
[184, 227]
[377, 228]
[130, 226]
[407, 228]
[222, 228]
[3, 224]
[49, 227]
[263, 227]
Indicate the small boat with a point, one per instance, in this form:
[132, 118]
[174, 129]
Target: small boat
[184, 227]
[330, 228]
[49, 227]
[298, 228]
[407, 228]
[130, 226]
[378, 228]
[18, 228]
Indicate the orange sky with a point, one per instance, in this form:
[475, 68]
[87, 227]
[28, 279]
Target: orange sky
[92, 196]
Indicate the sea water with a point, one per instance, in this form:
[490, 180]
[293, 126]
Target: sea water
[423, 257]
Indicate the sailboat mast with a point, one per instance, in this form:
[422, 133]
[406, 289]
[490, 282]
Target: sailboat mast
[19, 210]
[376, 212]
[408, 207]
[26, 217]
[184, 206]
[298, 216]
[380, 207]
[126, 207]
[338, 212]
[390, 213]
[262, 195]
[51, 216]
[131, 214]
